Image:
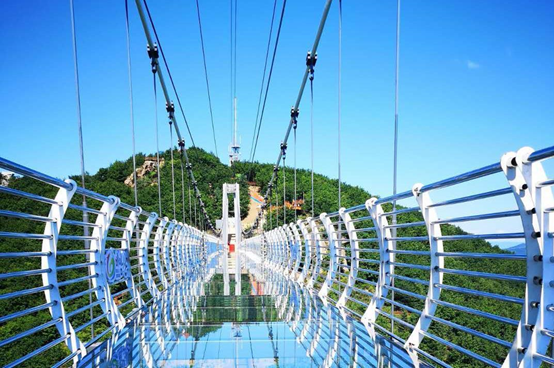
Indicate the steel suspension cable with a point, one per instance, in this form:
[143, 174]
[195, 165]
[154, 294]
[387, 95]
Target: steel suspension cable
[277, 201]
[339, 100]
[263, 76]
[166, 67]
[270, 212]
[157, 145]
[339, 103]
[183, 188]
[130, 76]
[206, 75]
[235, 54]
[81, 143]
[294, 110]
[190, 202]
[284, 191]
[295, 195]
[269, 78]
[233, 61]
[195, 213]
[312, 135]
[395, 163]
[169, 104]
[172, 168]
[231, 79]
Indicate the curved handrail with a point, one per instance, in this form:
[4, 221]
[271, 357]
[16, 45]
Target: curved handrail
[431, 252]
[66, 265]
[380, 266]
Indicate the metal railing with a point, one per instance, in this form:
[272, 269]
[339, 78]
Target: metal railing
[420, 281]
[414, 287]
[55, 283]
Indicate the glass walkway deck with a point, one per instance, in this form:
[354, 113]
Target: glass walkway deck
[291, 329]
[143, 290]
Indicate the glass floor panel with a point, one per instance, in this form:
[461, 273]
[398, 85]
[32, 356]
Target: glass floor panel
[291, 329]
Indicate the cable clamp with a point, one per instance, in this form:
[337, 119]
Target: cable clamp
[294, 112]
[275, 168]
[294, 116]
[152, 52]
[181, 144]
[284, 150]
[153, 55]
[311, 60]
[170, 108]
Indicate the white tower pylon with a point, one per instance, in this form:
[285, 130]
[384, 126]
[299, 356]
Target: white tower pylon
[231, 233]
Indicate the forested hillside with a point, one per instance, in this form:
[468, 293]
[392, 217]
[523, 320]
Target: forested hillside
[211, 174]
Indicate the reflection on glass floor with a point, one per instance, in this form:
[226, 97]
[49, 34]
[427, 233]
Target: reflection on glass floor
[198, 327]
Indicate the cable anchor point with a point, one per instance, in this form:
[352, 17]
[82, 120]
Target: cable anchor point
[284, 149]
[170, 108]
[294, 116]
[153, 55]
[311, 60]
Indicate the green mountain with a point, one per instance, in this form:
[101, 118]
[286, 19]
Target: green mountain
[211, 174]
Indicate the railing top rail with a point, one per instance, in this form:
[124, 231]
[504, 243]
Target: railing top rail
[458, 179]
[25, 171]
[541, 154]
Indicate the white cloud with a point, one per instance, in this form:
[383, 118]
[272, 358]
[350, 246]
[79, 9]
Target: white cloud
[472, 65]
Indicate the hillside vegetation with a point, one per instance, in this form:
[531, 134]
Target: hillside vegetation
[211, 174]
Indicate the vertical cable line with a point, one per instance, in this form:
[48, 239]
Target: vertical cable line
[157, 145]
[169, 104]
[295, 197]
[339, 82]
[172, 168]
[81, 145]
[269, 79]
[231, 62]
[294, 110]
[130, 76]
[312, 137]
[263, 75]
[284, 190]
[395, 159]
[339, 115]
[206, 75]
[141, 13]
[190, 202]
[235, 54]
[195, 213]
[183, 190]
[277, 202]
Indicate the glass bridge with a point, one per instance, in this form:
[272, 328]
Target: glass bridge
[293, 328]
[350, 288]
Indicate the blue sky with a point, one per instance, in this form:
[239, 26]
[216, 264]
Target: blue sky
[476, 81]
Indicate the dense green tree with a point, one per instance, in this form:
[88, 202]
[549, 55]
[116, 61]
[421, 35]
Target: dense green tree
[211, 174]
